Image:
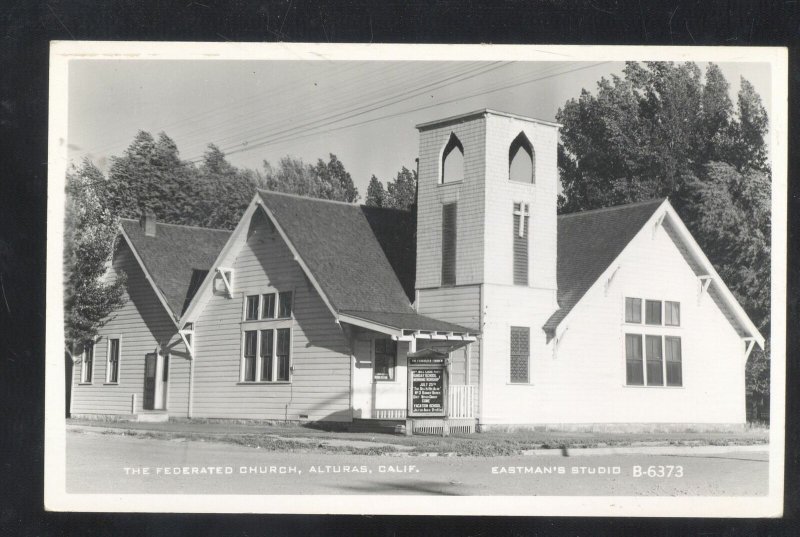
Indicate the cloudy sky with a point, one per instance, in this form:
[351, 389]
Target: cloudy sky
[364, 112]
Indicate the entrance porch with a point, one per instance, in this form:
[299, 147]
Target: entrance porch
[380, 387]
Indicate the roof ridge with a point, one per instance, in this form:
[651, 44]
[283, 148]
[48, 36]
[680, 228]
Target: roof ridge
[180, 225]
[615, 207]
[310, 198]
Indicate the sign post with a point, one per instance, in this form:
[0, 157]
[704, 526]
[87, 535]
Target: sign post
[427, 387]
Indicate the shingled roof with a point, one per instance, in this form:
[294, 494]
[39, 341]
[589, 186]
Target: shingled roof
[360, 257]
[588, 242]
[341, 250]
[176, 258]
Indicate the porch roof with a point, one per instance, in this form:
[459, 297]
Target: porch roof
[409, 322]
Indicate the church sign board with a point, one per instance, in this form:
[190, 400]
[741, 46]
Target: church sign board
[427, 384]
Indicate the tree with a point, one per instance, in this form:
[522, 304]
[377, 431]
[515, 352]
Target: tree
[376, 194]
[402, 192]
[151, 175]
[334, 181]
[324, 180]
[90, 231]
[225, 190]
[651, 132]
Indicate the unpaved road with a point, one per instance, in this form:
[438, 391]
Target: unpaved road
[117, 464]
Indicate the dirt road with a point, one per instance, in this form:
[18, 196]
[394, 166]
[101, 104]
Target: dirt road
[118, 464]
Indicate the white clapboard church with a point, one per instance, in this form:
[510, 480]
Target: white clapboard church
[311, 310]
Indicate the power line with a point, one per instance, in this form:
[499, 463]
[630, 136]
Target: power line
[291, 115]
[407, 111]
[365, 109]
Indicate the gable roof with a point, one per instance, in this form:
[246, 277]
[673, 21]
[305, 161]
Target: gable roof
[175, 259]
[341, 250]
[588, 242]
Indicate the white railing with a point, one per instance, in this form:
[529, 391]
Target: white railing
[390, 413]
[461, 400]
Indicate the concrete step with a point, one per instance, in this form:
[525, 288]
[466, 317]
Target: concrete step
[152, 416]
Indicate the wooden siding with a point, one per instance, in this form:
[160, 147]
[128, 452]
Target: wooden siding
[140, 324]
[469, 194]
[460, 305]
[584, 381]
[501, 194]
[320, 386]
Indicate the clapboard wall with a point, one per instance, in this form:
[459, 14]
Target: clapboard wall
[320, 383]
[140, 324]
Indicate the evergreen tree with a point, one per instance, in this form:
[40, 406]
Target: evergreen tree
[225, 190]
[376, 194]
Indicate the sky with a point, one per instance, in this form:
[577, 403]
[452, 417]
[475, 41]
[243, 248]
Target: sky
[364, 112]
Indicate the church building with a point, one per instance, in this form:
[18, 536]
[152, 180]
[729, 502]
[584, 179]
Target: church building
[313, 310]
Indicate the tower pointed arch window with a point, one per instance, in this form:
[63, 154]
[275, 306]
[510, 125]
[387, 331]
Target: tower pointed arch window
[453, 160]
[521, 160]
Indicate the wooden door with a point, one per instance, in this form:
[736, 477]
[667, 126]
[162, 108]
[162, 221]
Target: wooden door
[150, 362]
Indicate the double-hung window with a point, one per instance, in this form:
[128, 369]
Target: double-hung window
[653, 348]
[267, 355]
[267, 337]
[87, 362]
[112, 366]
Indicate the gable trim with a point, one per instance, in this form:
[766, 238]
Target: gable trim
[666, 210]
[149, 278]
[202, 291]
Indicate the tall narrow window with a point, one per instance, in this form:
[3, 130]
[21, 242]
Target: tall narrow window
[634, 372]
[520, 266]
[285, 305]
[520, 354]
[250, 346]
[87, 363]
[672, 313]
[282, 353]
[251, 309]
[268, 306]
[520, 160]
[674, 369]
[385, 359]
[633, 310]
[453, 161]
[112, 370]
[655, 365]
[652, 313]
[266, 355]
[449, 237]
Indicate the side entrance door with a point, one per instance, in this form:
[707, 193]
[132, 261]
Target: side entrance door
[150, 363]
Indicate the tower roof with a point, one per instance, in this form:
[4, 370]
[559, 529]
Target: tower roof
[483, 112]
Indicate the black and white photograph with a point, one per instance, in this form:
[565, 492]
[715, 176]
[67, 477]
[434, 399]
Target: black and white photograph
[416, 279]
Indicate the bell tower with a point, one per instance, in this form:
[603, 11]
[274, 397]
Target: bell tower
[487, 202]
[487, 245]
